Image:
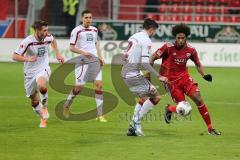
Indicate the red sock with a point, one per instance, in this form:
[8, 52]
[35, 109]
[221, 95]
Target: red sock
[172, 108]
[205, 115]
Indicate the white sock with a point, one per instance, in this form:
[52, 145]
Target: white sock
[136, 111]
[70, 98]
[146, 107]
[38, 109]
[44, 99]
[99, 101]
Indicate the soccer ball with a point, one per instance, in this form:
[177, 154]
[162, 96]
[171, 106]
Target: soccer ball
[184, 108]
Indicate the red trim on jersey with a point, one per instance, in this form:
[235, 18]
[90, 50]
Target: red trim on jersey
[35, 43]
[81, 72]
[83, 30]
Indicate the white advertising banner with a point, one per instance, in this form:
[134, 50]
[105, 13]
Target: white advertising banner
[210, 54]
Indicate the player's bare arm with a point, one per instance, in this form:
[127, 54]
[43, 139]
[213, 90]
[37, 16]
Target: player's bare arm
[151, 61]
[200, 69]
[79, 51]
[21, 58]
[56, 51]
[99, 54]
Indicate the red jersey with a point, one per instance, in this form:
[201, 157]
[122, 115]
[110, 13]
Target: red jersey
[174, 61]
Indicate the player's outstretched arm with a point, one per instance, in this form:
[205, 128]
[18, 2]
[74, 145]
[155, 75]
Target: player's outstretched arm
[20, 58]
[56, 51]
[207, 77]
[152, 59]
[79, 51]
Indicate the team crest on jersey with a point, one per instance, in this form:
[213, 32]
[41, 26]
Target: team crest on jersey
[41, 51]
[89, 37]
[188, 55]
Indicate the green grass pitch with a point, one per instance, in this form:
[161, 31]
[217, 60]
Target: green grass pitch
[184, 139]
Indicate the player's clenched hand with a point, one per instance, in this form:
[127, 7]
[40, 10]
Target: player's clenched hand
[86, 54]
[208, 77]
[59, 58]
[31, 59]
[102, 62]
[163, 79]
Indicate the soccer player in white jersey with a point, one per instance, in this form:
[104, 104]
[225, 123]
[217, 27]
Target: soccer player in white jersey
[33, 51]
[84, 41]
[135, 57]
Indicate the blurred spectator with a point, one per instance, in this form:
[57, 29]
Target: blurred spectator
[70, 10]
[151, 8]
[235, 4]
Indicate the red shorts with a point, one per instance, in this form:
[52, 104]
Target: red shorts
[184, 85]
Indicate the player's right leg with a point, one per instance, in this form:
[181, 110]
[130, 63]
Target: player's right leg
[177, 95]
[149, 97]
[37, 107]
[194, 94]
[80, 72]
[73, 93]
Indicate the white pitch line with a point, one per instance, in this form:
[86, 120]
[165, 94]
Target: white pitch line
[212, 102]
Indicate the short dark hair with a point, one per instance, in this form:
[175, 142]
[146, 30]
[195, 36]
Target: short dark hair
[149, 23]
[85, 12]
[38, 24]
[181, 28]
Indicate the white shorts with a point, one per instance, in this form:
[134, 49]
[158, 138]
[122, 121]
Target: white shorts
[140, 86]
[87, 73]
[30, 80]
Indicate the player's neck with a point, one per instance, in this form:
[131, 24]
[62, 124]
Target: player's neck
[85, 26]
[148, 32]
[37, 38]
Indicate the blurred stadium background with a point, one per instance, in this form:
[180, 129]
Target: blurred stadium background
[215, 26]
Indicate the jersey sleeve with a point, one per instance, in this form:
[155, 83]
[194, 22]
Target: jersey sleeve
[50, 37]
[74, 37]
[194, 57]
[160, 51]
[22, 48]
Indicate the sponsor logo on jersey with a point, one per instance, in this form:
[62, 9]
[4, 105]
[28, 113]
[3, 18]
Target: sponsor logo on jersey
[41, 51]
[89, 37]
[188, 55]
[180, 60]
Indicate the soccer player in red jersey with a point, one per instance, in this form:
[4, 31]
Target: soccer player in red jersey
[174, 60]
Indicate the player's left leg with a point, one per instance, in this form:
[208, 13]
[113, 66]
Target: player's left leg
[177, 95]
[43, 94]
[99, 100]
[195, 95]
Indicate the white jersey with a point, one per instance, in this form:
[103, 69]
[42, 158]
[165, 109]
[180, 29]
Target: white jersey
[30, 46]
[85, 39]
[137, 53]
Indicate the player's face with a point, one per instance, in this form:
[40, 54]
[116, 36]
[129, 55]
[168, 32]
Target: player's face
[181, 40]
[42, 33]
[87, 19]
[152, 32]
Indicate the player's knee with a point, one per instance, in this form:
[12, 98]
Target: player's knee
[197, 99]
[77, 90]
[35, 103]
[98, 86]
[155, 100]
[43, 90]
